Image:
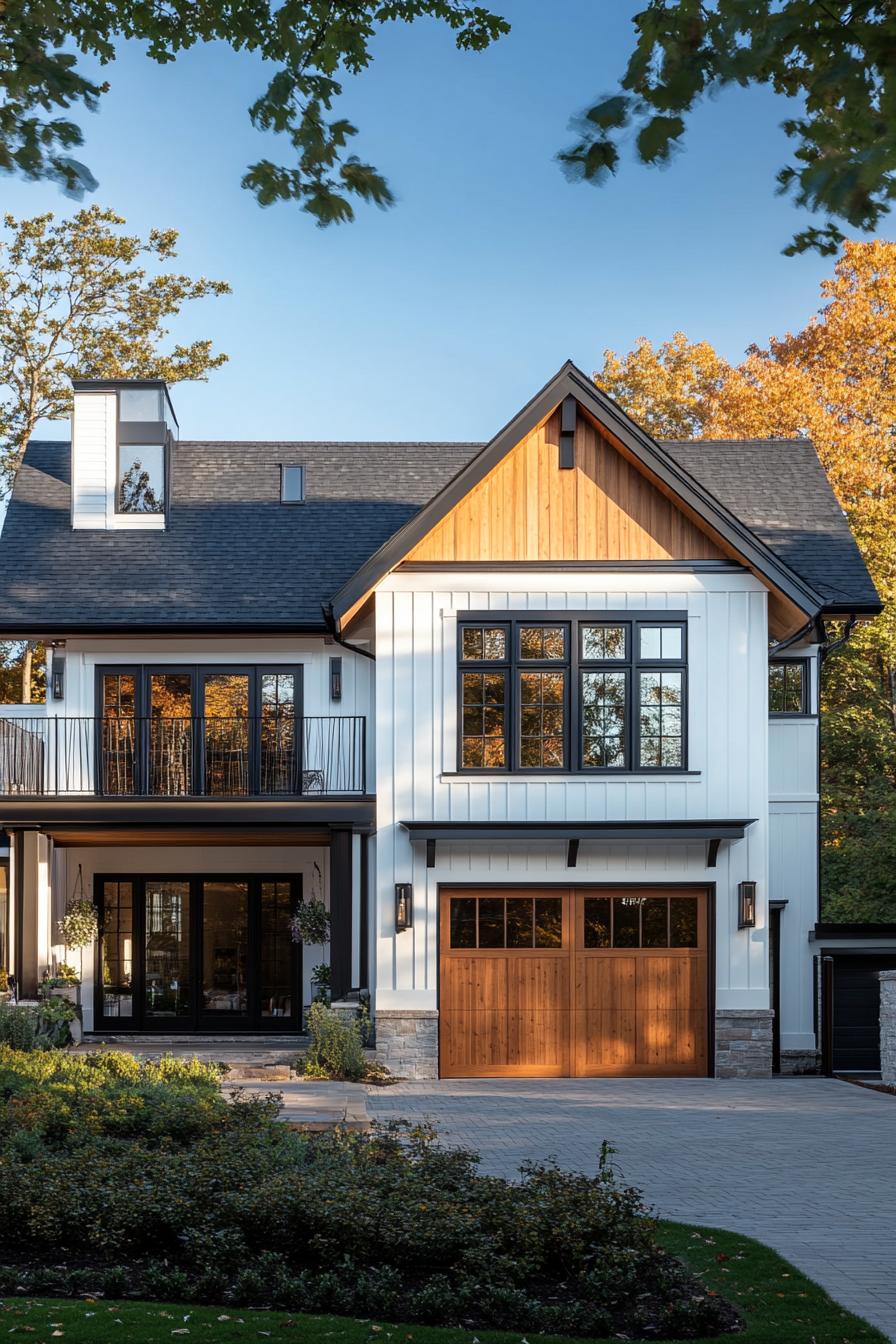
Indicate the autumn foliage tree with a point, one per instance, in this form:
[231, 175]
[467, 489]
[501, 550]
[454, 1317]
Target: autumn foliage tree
[835, 382]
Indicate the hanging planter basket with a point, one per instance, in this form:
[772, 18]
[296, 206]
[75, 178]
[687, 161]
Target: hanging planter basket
[79, 925]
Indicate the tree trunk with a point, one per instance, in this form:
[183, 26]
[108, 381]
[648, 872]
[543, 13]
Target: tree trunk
[27, 660]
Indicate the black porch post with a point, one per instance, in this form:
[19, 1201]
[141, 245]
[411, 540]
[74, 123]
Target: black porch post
[340, 912]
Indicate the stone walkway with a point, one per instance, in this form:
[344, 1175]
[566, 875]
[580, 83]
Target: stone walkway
[311, 1104]
[806, 1165]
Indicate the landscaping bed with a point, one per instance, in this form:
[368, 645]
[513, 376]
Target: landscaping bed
[138, 1180]
[777, 1302]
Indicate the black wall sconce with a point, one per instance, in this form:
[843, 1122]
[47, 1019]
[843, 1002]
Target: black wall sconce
[58, 676]
[746, 905]
[335, 678]
[404, 906]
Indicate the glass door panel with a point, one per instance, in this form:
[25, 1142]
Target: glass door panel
[167, 979]
[118, 765]
[225, 947]
[278, 732]
[171, 734]
[226, 727]
[277, 951]
[116, 951]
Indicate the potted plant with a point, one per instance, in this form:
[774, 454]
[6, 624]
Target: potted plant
[64, 984]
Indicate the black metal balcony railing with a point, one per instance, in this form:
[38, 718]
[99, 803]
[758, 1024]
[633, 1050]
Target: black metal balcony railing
[270, 756]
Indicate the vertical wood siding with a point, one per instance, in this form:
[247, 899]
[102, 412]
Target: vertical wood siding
[527, 509]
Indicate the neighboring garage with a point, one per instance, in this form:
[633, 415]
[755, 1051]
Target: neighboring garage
[582, 982]
[855, 994]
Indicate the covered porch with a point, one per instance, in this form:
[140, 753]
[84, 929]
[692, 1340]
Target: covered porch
[193, 906]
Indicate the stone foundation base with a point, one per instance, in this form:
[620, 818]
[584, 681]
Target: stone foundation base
[888, 1026]
[796, 1062]
[407, 1041]
[744, 1042]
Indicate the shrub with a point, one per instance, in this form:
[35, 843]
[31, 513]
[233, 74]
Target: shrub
[336, 1049]
[182, 1195]
[42, 1026]
[18, 1026]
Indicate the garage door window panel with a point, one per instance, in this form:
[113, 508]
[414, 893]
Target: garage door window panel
[518, 923]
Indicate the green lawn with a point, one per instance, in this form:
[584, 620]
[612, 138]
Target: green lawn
[780, 1306]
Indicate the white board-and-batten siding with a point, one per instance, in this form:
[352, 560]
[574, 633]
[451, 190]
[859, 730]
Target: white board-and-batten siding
[94, 467]
[793, 745]
[417, 614]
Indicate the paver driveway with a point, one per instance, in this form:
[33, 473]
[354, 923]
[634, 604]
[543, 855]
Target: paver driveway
[807, 1165]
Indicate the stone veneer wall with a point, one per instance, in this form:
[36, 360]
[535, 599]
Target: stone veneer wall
[407, 1041]
[888, 1026]
[794, 1062]
[744, 1042]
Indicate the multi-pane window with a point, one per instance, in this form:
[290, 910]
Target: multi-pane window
[511, 921]
[788, 687]
[641, 921]
[578, 693]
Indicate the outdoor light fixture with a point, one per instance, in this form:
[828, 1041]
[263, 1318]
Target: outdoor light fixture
[404, 906]
[58, 680]
[746, 905]
[335, 678]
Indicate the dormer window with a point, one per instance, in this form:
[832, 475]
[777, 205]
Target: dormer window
[292, 484]
[141, 478]
[124, 436]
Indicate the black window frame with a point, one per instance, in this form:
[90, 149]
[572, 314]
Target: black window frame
[804, 709]
[198, 674]
[573, 665]
[144, 433]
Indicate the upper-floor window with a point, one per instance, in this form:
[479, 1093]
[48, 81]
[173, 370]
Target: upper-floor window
[141, 478]
[583, 693]
[788, 686]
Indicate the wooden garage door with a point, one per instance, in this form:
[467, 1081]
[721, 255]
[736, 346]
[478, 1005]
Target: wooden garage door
[583, 982]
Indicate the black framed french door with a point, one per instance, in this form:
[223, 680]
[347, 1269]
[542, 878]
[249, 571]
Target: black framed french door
[185, 731]
[205, 952]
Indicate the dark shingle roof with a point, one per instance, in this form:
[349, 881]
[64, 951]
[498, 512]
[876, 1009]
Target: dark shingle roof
[233, 555]
[779, 489]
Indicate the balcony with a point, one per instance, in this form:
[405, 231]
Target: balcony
[118, 758]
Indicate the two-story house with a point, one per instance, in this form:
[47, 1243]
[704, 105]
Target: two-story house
[538, 719]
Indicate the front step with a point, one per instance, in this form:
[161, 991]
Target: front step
[270, 1057]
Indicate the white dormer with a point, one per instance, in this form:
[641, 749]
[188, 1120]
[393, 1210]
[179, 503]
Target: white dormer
[123, 432]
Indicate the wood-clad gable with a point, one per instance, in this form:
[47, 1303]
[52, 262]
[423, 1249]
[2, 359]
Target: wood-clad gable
[528, 508]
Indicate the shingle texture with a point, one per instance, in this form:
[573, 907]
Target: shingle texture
[779, 489]
[234, 555]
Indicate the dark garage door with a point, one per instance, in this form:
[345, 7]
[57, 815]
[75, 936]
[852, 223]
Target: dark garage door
[857, 1010]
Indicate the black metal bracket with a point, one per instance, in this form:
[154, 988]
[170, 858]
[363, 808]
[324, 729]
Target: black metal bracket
[712, 851]
[430, 853]
[568, 412]
[572, 853]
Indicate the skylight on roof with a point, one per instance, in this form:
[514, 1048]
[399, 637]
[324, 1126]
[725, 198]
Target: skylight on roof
[292, 484]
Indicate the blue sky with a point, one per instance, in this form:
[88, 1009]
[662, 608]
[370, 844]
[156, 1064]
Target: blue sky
[440, 317]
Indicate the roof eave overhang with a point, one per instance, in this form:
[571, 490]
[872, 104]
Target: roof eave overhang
[571, 381]
[846, 608]
[64, 630]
